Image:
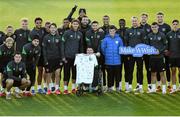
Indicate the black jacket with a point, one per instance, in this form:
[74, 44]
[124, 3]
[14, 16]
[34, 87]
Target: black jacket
[73, 43]
[40, 32]
[105, 29]
[2, 35]
[6, 54]
[15, 70]
[146, 28]
[134, 36]
[31, 54]
[53, 47]
[121, 32]
[165, 28]
[22, 38]
[174, 43]
[158, 41]
[93, 40]
[62, 30]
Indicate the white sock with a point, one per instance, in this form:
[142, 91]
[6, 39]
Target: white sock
[65, 87]
[149, 85]
[45, 85]
[57, 87]
[26, 91]
[168, 84]
[39, 87]
[140, 86]
[53, 84]
[174, 87]
[120, 85]
[130, 86]
[163, 88]
[2, 89]
[8, 92]
[17, 89]
[137, 84]
[49, 87]
[32, 88]
[154, 87]
[73, 86]
[159, 83]
[126, 85]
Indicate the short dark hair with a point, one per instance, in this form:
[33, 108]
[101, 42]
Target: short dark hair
[17, 53]
[53, 24]
[122, 20]
[112, 27]
[65, 19]
[9, 26]
[75, 20]
[160, 13]
[37, 18]
[106, 16]
[35, 37]
[47, 23]
[154, 23]
[82, 9]
[95, 22]
[177, 21]
[144, 14]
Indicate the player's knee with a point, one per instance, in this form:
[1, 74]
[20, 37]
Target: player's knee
[28, 82]
[9, 81]
[23, 81]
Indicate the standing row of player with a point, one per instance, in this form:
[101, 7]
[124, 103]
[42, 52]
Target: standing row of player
[51, 49]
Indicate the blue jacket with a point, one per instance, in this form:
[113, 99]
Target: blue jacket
[110, 49]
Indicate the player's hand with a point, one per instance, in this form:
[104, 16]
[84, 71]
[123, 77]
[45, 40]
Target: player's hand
[64, 60]
[101, 30]
[74, 8]
[46, 63]
[167, 52]
[60, 63]
[98, 54]
[158, 52]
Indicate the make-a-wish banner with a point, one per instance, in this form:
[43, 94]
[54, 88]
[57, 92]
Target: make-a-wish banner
[139, 50]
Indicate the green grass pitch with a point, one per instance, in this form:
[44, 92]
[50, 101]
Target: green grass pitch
[11, 11]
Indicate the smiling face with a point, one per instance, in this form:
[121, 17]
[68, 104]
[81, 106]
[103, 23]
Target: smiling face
[9, 42]
[175, 26]
[35, 42]
[53, 29]
[135, 22]
[160, 18]
[38, 23]
[94, 26]
[24, 24]
[122, 23]
[17, 58]
[75, 25]
[154, 28]
[144, 19]
[112, 32]
[106, 20]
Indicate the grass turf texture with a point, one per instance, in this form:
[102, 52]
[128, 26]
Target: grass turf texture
[109, 104]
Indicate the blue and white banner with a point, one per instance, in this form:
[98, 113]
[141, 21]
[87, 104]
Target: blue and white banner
[139, 50]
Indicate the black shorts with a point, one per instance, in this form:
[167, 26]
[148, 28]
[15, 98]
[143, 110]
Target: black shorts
[174, 62]
[3, 66]
[157, 64]
[41, 61]
[15, 84]
[53, 65]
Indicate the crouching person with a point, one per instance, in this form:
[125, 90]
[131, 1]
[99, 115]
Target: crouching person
[15, 76]
[110, 49]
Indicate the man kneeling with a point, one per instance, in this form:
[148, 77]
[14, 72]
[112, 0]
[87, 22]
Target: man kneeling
[15, 75]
